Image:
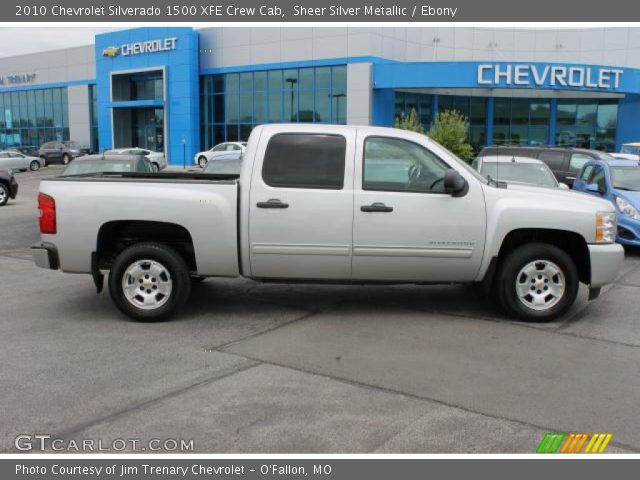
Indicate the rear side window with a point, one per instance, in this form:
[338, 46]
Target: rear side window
[294, 160]
[577, 161]
[554, 160]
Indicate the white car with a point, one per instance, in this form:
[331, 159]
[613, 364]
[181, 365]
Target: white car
[629, 151]
[156, 158]
[201, 158]
[520, 170]
[19, 161]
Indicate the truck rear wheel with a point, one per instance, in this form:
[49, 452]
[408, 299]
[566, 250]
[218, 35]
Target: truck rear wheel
[149, 282]
[537, 282]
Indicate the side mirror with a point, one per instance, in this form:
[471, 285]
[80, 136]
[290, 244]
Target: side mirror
[594, 188]
[454, 183]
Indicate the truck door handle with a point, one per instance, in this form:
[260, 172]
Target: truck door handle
[376, 207]
[272, 203]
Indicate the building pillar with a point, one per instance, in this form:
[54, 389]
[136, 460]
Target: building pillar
[359, 93]
[489, 121]
[553, 117]
[628, 126]
[383, 107]
[78, 108]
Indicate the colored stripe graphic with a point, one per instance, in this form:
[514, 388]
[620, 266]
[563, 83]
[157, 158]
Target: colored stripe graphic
[550, 443]
[556, 442]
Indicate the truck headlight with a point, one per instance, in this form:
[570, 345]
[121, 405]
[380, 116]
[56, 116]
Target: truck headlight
[627, 209]
[606, 226]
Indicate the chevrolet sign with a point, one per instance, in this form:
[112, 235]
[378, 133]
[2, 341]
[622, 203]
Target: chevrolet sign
[558, 76]
[139, 48]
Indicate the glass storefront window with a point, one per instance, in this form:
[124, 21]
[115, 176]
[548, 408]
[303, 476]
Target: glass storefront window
[33, 117]
[587, 124]
[521, 121]
[232, 104]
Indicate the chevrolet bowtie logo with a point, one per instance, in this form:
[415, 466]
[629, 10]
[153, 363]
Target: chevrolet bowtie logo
[110, 51]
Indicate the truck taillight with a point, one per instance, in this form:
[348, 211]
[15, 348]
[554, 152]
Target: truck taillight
[47, 207]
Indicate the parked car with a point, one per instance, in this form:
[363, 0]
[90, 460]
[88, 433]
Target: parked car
[90, 164]
[28, 150]
[564, 162]
[157, 159]
[632, 148]
[316, 215]
[62, 152]
[201, 158]
[619, 182]
[19, 161]
[227, 164]
[628, 151]
[517, 170]
[8, 186]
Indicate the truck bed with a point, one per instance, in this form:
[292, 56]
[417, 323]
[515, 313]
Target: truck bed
[204, 205]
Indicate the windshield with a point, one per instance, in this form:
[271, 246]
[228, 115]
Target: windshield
[73, 144]
[513, 172]
[231, 167]
[626, 178]
[82, 168]
[633, 149]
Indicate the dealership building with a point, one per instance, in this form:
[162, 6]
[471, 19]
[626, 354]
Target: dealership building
[181, 90]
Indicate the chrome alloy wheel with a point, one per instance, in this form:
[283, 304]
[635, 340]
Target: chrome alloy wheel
[147, 284]
[3, 196]
[540, 285]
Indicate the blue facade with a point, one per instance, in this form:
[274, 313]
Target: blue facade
[177, 59]
[618, 86]
[150, 88]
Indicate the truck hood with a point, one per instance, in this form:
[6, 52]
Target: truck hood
[554, 197]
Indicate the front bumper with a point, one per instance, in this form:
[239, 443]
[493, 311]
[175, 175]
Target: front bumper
[606, 262]
[45, 255]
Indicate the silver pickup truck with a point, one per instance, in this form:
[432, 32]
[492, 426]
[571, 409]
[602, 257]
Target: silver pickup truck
[324, 203]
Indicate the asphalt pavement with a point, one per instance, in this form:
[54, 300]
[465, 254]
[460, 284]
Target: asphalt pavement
[253, 368]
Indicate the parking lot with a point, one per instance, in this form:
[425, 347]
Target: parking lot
[252, 368]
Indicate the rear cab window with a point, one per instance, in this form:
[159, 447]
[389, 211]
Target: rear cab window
[305, 160]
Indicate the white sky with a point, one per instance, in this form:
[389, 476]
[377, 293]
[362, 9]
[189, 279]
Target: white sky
[21, 40]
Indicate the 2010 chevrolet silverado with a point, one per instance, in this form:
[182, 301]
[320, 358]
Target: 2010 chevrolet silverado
[322, 203]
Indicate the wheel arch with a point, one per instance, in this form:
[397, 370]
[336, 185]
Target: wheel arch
[116, 236]
[572, 243]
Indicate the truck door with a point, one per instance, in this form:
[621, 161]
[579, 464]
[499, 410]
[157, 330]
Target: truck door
[301, 204]
[405, 227]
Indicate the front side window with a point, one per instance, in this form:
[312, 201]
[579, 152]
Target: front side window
[396, 165]
[598, 177]
[294, 160]
[586, 173]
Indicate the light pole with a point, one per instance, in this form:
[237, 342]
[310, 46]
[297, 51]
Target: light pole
[337, 96]
[292, 82]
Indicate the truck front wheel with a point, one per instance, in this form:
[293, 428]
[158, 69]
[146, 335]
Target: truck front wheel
[149, 282]
[537, 282]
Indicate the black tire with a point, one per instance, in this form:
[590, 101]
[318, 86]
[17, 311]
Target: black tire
[507, 280]
[34, 166]
[66, 159]
[178, 275]
[4, 194]
[202, 161]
